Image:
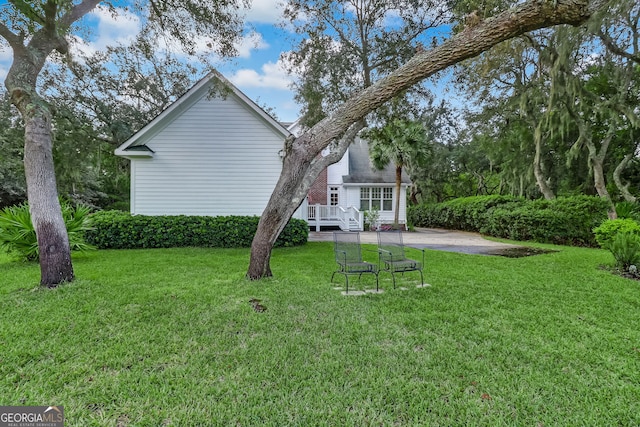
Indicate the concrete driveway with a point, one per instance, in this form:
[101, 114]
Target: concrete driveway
[431, 238]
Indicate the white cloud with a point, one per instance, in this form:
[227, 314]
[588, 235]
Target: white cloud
[271, 75]
[252, 41]
[6, 58]
[6, 55]
[264, 11]
[204, 45]
[111, 28]
[119, 27]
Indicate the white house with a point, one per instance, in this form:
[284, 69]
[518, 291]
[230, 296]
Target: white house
[353, 186]
[206, 154]
[347, 189]
[216, 155]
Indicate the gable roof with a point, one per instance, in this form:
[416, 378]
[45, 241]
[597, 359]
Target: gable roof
[362, 171]
[135, 145]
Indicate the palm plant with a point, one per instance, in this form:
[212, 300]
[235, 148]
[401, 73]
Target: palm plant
[18, 236]
[401, 142]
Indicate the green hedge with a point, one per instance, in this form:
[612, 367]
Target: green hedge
[564, 221]
[121, 230]
[466, 213]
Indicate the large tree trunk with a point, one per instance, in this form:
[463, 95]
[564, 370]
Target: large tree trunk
[44, 206]
[285, 199]
[300, 169]
[601, 186]
[46, 215]
[597, 159]
[293, 186]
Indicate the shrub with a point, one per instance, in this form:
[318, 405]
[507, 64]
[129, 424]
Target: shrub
[567, 220]
[562, 221]
[467, 213]
[121, 230]
[628, 210]
[607, 231]
[625, 248]
[526, 223]
[18, 236]
[371, 218]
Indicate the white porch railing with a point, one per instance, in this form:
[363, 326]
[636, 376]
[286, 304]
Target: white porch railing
[349, 218]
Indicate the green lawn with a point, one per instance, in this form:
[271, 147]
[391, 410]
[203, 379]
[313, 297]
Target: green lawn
[168, 337]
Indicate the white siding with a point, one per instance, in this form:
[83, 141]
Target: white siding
[352, 196]
[336, 171]
[216, 158]
[353, 199]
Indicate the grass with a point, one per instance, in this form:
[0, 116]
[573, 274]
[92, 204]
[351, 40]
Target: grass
[168, 337]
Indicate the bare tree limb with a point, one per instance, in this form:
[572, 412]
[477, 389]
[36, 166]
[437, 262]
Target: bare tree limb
[613, 47]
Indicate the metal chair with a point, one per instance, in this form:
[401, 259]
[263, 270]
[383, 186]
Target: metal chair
[348, 253]
[392, 258]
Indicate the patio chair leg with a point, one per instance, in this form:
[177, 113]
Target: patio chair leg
[346, 278]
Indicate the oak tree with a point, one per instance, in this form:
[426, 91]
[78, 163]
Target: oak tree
[302, 163]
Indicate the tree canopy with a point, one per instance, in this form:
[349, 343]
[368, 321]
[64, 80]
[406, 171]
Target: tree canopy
[567, 98]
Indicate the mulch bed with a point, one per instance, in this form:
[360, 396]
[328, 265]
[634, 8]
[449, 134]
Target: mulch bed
[618, 272]
[520, 252]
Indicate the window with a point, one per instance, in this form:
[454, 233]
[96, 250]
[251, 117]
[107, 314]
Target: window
[380, 198]
[333, 196]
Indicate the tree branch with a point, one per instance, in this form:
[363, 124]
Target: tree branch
[77, 12]
[614, 48]
[27, 10]
[319, 164]
[14, 40]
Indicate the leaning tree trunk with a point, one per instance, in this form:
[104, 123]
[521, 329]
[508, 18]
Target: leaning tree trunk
[597, 158]
[300, 169]
[601, 187]
[285, 199]
[294, 181]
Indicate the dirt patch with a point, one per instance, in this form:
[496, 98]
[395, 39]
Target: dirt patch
[520, 252]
